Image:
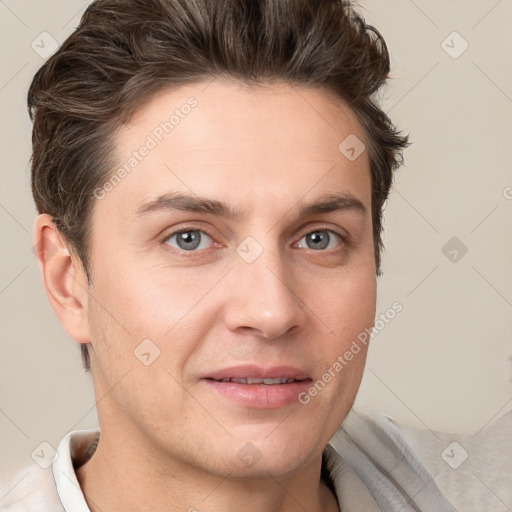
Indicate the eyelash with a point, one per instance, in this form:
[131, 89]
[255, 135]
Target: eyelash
[344, 240]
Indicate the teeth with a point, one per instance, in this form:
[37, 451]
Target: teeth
[251, 380]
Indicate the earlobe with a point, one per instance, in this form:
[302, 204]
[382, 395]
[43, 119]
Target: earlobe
[63, 277]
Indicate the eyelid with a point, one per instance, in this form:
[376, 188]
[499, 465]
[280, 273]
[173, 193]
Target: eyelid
[184, 229]
[344, 240]
[312, 229]
[304, 231]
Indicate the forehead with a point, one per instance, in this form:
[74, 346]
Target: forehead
[223, 106]
[252, 144]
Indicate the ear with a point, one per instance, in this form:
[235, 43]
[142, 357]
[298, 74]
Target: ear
[63, 277]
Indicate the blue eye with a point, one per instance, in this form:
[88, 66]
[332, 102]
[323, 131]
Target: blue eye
[320, 239]
[189, 240]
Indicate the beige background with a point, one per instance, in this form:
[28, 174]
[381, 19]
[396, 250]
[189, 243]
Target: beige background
[444, 362]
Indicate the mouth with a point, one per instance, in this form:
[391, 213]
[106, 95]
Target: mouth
[254, 374]
[255, 380]
[258, 388]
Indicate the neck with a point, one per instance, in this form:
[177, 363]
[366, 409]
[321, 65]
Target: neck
[128, 477]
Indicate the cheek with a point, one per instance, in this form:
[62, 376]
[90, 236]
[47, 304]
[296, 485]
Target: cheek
[349, 313]
[349, 306]
[145, 302]
[133, 359]
[134, 305]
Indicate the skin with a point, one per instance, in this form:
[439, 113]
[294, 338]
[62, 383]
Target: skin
[168, 442]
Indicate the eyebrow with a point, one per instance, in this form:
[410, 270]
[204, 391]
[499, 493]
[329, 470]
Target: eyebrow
[173, 201]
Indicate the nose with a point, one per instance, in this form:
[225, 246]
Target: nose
[263, 298]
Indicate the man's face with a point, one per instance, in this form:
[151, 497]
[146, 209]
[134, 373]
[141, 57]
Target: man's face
[170, 315]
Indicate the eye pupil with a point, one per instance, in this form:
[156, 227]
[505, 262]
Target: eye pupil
[318, 237]
[188, 240]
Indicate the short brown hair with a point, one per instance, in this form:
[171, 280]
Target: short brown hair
[124, 51]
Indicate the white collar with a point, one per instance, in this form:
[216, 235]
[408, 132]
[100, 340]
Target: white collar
[70, 448]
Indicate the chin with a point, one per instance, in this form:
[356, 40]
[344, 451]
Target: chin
[256, 453]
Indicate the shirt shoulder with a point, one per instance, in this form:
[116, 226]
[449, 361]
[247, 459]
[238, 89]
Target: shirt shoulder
[31, 489]
[55, 489]
[372, 448]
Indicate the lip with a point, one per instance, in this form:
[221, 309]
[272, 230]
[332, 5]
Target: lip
[258, 372]
[259, 396]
